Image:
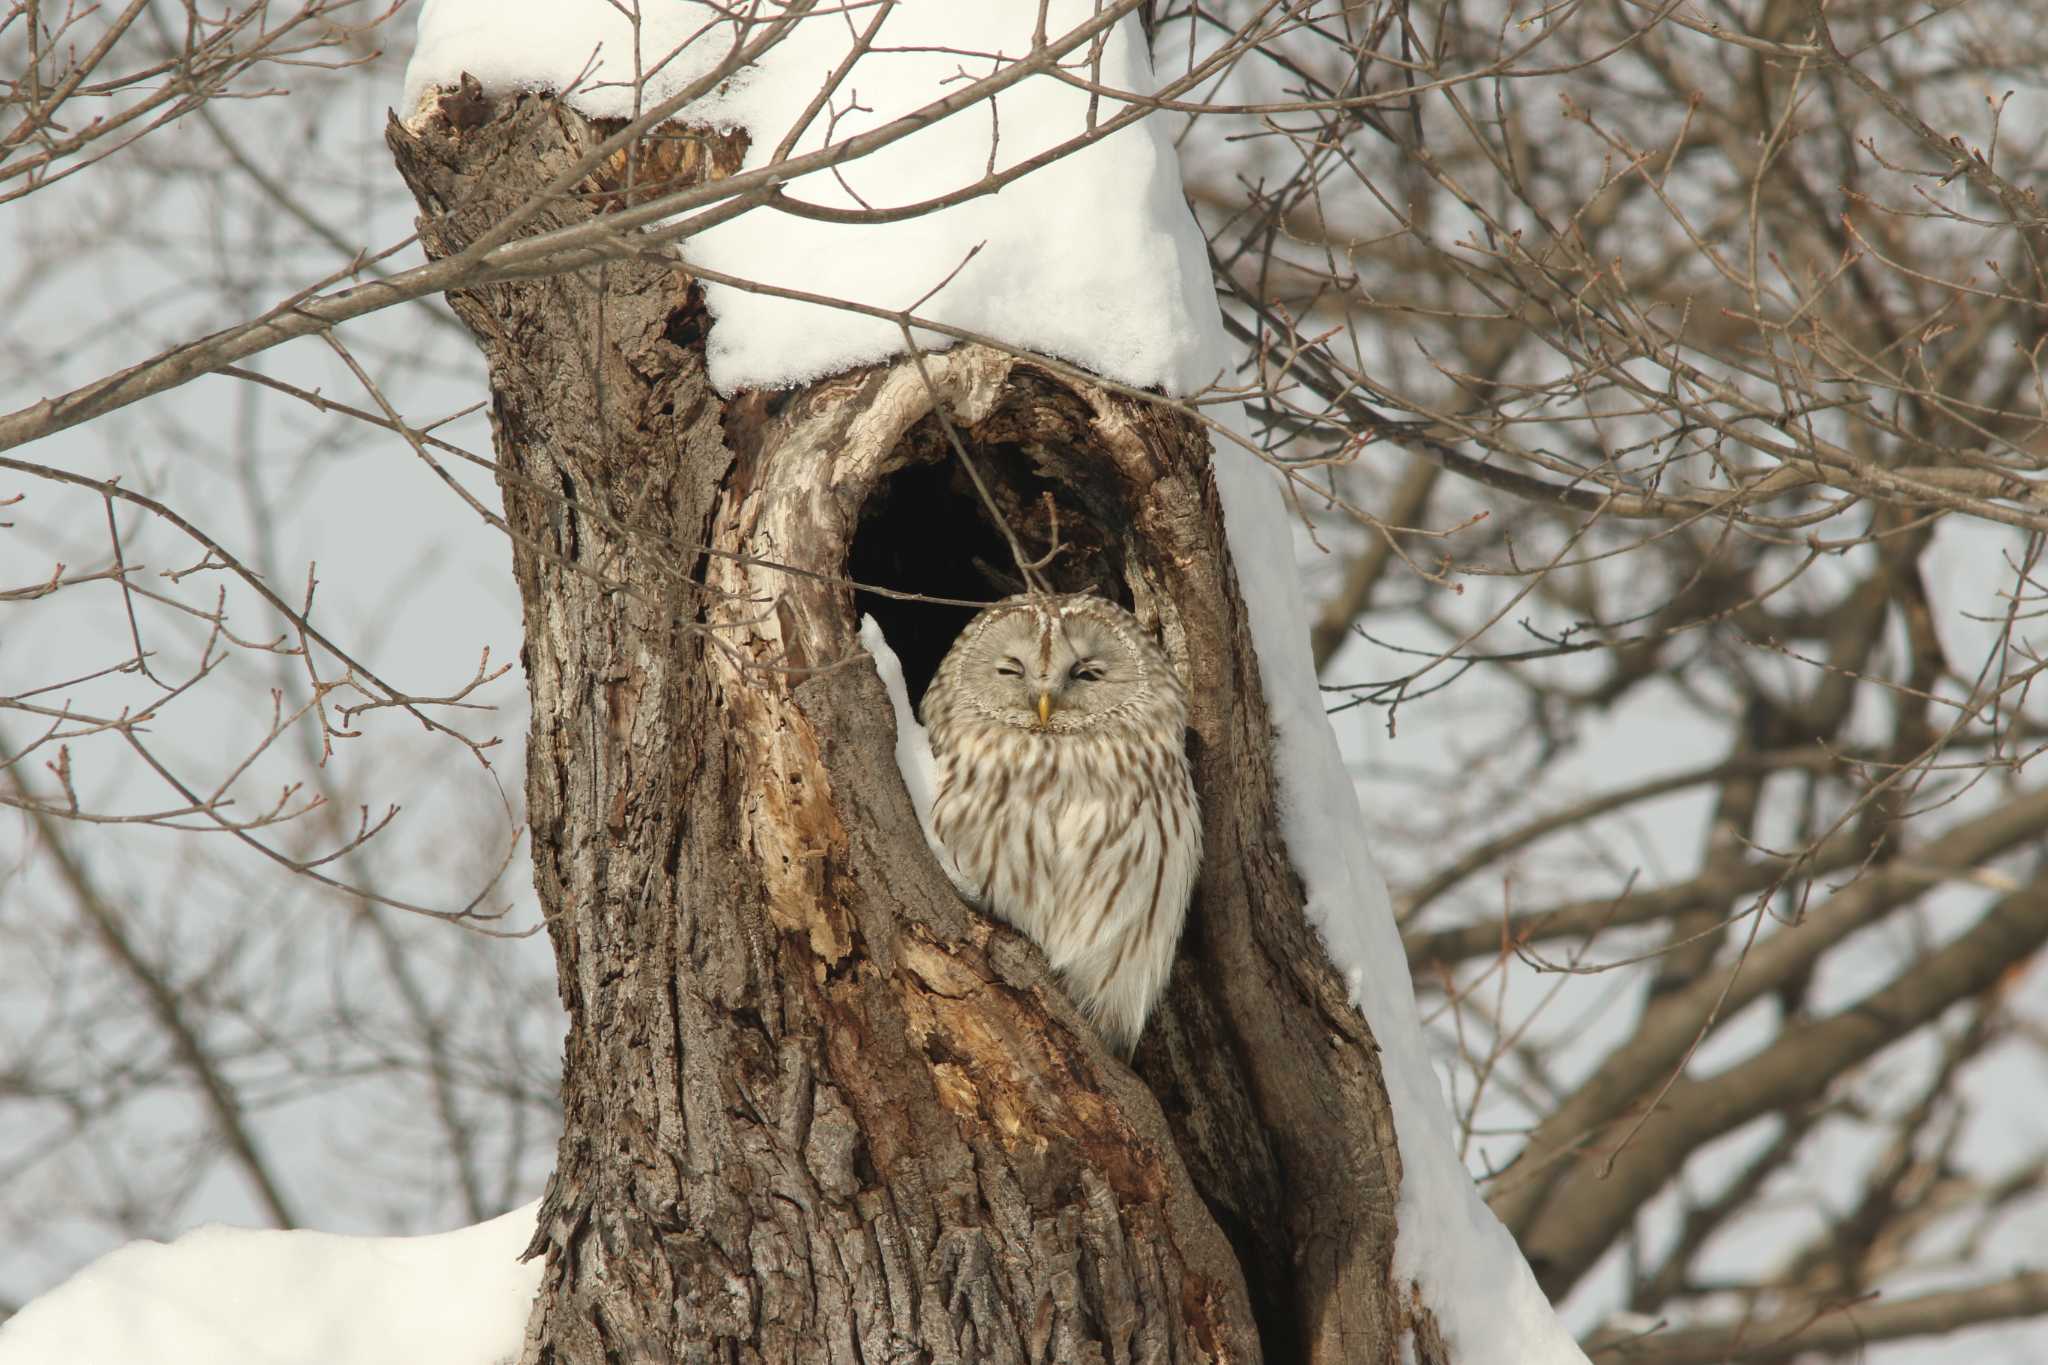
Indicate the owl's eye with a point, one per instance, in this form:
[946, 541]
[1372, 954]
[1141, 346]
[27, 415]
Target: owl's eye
[1085, 671]
[1011, 668]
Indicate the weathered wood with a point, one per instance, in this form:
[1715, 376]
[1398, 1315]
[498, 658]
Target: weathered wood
[816, 1108]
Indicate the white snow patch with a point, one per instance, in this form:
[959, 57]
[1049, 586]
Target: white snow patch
[913, 752]
[233, 1296]
[1092, 259]
[586, 47]
[913, 743]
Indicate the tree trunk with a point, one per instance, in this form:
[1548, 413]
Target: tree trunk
[817, 1109]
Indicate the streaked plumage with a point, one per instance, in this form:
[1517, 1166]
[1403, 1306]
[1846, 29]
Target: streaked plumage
[1064, 796]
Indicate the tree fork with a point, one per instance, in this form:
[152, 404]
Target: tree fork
[815, 1107]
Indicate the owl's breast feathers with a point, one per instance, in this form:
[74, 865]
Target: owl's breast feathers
[1064, 799]
[1091, 853]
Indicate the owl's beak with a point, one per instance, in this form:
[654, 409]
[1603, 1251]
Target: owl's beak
[1044, 708]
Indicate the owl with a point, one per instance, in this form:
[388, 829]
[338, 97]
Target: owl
[1063, 796]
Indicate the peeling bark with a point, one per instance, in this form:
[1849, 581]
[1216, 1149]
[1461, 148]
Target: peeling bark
[816, 1108]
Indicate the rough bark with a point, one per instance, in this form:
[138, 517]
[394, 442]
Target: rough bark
[816, 1108]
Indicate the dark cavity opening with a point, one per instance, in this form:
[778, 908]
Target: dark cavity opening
[926, 530]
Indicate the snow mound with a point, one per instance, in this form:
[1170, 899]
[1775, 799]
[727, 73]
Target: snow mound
[586, 47]
[231, 1296]
[1092, 258]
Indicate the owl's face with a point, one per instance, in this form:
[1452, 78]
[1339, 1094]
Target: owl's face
[1057, 666]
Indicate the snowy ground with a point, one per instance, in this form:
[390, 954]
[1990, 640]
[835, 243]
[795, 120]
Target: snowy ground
[231, 1296]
